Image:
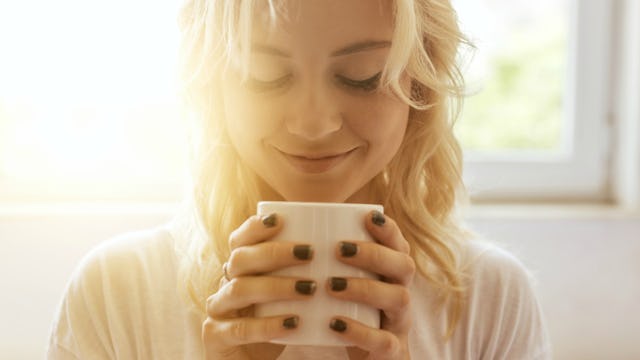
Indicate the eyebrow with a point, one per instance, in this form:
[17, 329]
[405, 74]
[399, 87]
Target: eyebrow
[350, 49]
[361, 46]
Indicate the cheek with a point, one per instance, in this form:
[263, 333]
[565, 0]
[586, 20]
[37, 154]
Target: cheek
[248, 119]
[381, 121]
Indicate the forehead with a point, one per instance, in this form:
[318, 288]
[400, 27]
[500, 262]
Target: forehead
[322, 24]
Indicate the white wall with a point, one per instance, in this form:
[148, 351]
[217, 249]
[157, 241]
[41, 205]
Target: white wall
[588, 271]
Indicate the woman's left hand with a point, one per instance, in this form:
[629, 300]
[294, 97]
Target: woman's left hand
[388, 257]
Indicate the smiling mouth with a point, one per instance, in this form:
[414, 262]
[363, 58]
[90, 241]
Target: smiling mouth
[315, 164]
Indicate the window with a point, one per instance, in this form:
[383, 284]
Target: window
[535, 123]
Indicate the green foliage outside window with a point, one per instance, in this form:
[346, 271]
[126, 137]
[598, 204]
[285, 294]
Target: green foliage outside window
[520, 106]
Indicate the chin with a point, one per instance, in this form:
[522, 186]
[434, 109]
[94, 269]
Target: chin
[315, 194]
[315, 198]
[319, 193]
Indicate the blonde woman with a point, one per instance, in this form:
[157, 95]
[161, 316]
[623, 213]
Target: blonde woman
[322, 101]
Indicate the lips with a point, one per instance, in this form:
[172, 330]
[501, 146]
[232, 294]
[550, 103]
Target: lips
[316, 163]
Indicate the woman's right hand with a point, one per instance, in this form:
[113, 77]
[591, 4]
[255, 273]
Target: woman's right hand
[230, 330]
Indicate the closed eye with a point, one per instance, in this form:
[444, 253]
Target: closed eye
[368, 85]
[261, 85]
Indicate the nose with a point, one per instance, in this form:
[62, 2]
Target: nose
[315, 114]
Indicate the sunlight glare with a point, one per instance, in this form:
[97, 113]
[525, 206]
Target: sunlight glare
[88, 91]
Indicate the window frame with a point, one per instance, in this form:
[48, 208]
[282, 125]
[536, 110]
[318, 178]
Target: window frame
[580, 170]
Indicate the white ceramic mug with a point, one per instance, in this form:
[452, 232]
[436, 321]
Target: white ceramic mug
[323, 225]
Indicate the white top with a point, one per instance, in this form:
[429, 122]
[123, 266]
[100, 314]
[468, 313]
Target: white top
[121, 303]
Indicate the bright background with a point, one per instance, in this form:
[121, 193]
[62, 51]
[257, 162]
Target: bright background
[517, 75]
[88, 101]
[91, 145]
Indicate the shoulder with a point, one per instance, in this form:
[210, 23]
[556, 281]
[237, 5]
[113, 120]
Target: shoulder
[110, 290]
[120, 269]
[124, 253]
[123, 267]
[490, 266]
[502, 315]
[138, 244]
[497, 282]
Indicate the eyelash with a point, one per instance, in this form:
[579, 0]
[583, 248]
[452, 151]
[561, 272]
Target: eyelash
[261, 86]
[366, 85]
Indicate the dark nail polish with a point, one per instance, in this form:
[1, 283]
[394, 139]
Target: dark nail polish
[338, 325]
[290, 323]
[270, 220]
[348, 249]
[305, 287]
[377, 218]
[303, 252]
[338, 283]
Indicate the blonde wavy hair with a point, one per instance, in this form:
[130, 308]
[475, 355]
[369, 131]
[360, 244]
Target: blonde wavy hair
[419, 188]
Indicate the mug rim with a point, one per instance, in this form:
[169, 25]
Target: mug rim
[317, 204]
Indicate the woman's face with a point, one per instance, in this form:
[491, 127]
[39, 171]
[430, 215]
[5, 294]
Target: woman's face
[310, 120]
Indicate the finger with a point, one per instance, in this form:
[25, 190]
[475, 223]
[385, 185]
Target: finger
[394, 300]
[255, 230]
[266, 257]
[218, 334]
[394, 266]
[245, 291]
[385, 231]
[376, 341]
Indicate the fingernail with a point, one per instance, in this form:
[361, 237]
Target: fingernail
[348, 249]
[338, 283]
[338, 325]
[305, 287]
[303, 252]
[270, 220]
[377, 218]
[290, 323]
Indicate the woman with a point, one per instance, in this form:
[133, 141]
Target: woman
[324, 101]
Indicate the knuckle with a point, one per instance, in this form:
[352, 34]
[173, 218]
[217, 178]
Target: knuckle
[234, 258]
[233, 239]
[406, 246]
[210, 331]
[211, 304]
[235, 288]
[411, 265]
[377, 257]
[207, 328]
[388, 344]
[369, 338]
[236, 236]
[366, 288]
[240, 331]
[404, 298]
[273, 250]
[410, 270]
[268, 328]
